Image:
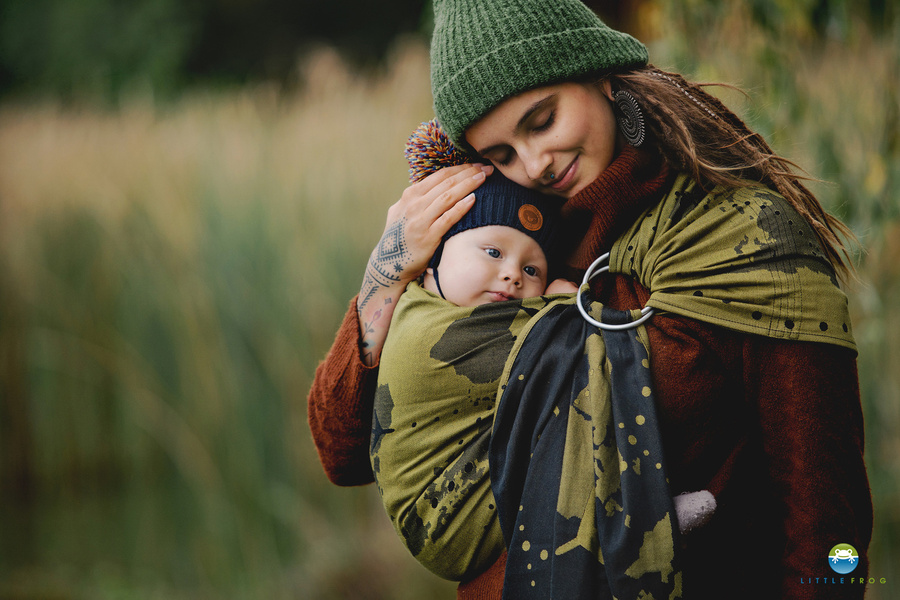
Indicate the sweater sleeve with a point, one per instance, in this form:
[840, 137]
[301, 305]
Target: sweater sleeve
[812, 430]
[340, 407]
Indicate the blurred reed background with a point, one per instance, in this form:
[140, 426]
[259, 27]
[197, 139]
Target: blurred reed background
[172, 272]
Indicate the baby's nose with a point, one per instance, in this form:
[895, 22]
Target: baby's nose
[512, 276]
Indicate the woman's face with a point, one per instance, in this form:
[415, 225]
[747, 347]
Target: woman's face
[489, 264]
[566, 130]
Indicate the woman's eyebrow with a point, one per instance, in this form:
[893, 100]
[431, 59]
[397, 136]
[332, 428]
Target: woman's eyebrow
[538, 105]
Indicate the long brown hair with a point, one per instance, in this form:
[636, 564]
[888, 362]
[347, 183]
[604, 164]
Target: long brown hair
[697, 133]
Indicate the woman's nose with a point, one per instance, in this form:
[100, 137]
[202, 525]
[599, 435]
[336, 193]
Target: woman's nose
[536, 164]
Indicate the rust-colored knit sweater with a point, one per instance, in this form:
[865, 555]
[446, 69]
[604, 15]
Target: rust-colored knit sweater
[772, 428]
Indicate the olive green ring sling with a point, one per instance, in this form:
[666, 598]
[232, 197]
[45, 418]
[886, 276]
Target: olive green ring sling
[467, 396]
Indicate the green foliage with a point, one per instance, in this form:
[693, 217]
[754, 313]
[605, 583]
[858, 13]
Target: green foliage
[100, 50]
[95, 47]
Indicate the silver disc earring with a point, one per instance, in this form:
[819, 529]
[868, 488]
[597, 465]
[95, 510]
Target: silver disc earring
[630, 118]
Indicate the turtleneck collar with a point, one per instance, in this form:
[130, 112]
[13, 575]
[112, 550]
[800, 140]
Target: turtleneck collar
[601, 212]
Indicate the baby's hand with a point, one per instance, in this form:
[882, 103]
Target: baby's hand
[561, 286]
[694, 509]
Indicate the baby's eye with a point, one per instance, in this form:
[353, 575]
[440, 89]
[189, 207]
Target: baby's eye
[532, 271]
[492, 252]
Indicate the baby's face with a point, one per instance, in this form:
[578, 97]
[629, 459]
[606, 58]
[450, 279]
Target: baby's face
[490, 264]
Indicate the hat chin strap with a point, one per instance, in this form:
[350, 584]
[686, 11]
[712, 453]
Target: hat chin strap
[437, 282]
[436, 260]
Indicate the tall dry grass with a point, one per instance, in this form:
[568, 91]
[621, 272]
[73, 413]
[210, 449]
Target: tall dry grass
[170, 277]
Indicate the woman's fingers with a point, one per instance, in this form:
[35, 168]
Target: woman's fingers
[416, 198]
[448, 173]
[442, 206]
[451, 190]
[452, 215]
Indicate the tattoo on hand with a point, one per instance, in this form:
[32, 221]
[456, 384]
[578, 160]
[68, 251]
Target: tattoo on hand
[386, 262]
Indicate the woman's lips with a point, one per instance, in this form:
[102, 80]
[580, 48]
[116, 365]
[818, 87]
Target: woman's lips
[566, 177]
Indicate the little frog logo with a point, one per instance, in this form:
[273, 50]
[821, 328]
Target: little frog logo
[843, 558]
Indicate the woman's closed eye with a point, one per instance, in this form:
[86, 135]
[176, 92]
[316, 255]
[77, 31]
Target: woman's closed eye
[547, 124]
[501, 159]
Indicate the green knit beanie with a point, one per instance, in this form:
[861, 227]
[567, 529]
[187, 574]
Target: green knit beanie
[484, 51]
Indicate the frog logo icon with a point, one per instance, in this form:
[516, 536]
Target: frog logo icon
[843, 558]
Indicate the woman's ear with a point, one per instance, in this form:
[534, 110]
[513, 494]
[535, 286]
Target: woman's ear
[606, 88]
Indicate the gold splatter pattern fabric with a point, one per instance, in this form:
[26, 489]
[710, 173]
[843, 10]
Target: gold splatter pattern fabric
[741, 258]
[577, 465]
[434, 409]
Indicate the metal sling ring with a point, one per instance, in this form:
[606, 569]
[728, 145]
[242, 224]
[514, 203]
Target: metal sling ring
[592, 272]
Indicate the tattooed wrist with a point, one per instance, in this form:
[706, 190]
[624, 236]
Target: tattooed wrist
[386, 262]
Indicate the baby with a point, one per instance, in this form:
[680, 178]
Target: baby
[450, 336]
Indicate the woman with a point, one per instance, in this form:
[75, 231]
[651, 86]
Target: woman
[769, 423]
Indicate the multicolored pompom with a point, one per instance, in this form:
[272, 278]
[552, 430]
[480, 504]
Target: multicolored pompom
[429, 149]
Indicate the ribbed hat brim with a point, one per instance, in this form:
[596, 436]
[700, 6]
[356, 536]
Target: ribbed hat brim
[484, 52]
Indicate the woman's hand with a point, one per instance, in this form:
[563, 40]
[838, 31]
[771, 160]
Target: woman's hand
[418, 221]
[415, 226]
